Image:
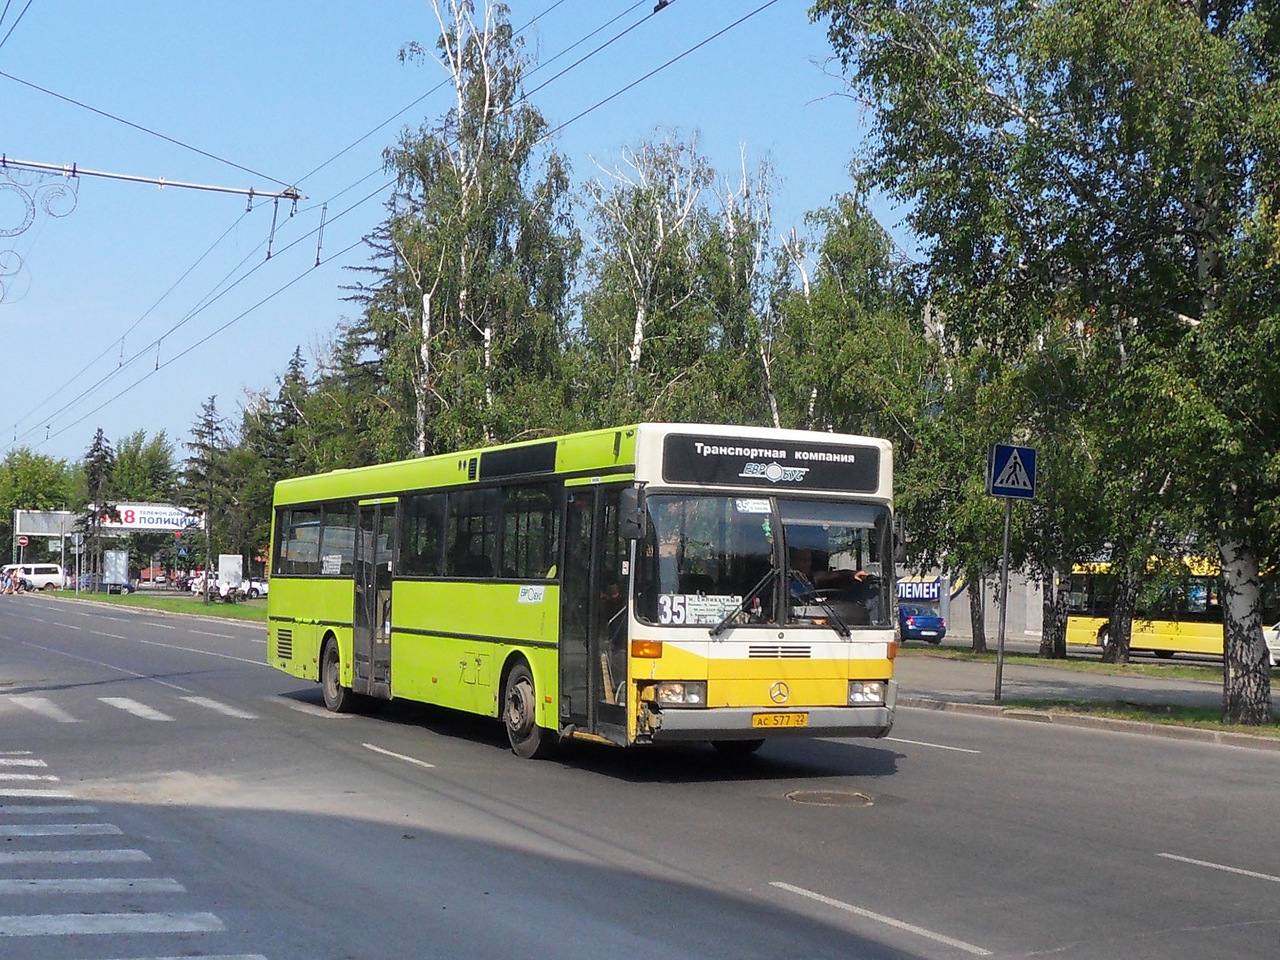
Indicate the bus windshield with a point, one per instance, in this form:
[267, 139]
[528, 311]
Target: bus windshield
[819, 562]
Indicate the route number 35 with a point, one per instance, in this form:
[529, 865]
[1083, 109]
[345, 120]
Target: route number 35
[672, 609]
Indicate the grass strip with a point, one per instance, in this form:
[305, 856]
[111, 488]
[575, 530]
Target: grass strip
[1165, 669]
[1206, 718]
[253, 610]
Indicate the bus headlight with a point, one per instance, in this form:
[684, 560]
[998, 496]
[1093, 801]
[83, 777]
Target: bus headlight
[866, 691]
[682, 693]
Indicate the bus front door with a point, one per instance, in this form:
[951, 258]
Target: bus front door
[371, 619]
[593, 631]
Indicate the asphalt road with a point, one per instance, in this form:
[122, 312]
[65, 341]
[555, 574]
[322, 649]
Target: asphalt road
[164, 794]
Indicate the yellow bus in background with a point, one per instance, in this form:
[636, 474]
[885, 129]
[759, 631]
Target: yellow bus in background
[1178, 611]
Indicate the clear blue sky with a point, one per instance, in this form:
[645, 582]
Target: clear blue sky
[279, 88]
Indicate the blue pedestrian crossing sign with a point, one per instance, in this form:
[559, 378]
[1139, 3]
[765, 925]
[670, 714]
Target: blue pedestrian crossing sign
[182, 551]
[1011, 471]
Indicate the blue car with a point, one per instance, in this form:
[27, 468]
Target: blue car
[919, 622]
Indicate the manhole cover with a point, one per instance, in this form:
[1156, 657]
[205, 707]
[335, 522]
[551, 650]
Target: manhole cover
[830, 798]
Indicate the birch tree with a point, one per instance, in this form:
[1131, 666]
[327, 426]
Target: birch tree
[467, 311]
[1125, 152]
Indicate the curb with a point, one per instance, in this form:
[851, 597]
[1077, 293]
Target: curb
[1168, 731]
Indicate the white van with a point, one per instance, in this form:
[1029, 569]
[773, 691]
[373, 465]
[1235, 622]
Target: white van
[39, 576]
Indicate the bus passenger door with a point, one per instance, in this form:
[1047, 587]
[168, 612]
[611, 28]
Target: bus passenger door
[593, 634]
[371, 619]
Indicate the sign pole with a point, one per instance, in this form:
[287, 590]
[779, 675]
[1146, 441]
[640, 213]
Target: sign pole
[1011, 474]
[1004, 594]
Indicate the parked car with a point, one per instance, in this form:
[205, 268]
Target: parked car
[919, 622]
[1272, 637]
[254, 587]
[39, 576]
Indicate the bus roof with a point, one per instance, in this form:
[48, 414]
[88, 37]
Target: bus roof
[712, 455]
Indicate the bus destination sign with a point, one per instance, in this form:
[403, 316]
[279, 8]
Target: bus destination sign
[770, 463]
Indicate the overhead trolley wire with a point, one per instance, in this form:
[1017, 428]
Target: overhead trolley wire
[676, 59]
[145, 351]
[15, 22]
[140, 127]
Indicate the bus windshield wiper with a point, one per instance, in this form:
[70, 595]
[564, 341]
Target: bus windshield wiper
[747, 597]
[810, 590]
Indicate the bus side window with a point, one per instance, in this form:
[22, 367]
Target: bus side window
[422, 536]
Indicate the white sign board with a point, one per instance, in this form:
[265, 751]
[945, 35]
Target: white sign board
[230, 569]
[115, 567]
[161, 517]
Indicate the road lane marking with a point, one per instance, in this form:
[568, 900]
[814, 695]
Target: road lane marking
[398, 756]
[30, 777]
[223, 708]
[44, 707]
[60, 808]
[9, 831]
[73, 856]
[1219, 866]
[881, 918]
[93, 885]
[140, 710]
[76, 924]
[21, 762]
[936, 746]
[206, 633]
[34, 794]
[313, 710]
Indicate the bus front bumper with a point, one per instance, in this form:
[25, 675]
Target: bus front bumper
[749, 723]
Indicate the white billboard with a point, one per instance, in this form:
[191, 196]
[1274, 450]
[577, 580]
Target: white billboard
[159, 517]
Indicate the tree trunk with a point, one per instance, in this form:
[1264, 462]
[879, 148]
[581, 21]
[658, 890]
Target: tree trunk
[978, 613]
[1246, 677]
[1120, 623]
[1053, 621]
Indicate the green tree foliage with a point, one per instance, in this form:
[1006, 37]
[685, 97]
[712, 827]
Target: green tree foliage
[206, 481]
[32, 481]
[1118, 159]
[465, 316]
[99, 469]
[146, 472]
[646, 327]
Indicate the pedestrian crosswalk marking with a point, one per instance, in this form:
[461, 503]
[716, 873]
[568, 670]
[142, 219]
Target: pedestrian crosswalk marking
[30, 777]
[140, 710]
[73, 856]
[62, 809]
[74, 924]
[8, 831]
[21, 762]
[30, 794]
[93, 885]
[223, 708]
[44, 707]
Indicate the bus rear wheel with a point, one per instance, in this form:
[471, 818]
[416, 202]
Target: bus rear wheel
[337, 698]
[520, 714]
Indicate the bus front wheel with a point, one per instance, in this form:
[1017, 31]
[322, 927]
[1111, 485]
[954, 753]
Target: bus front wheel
[336, 697]
[519, 713]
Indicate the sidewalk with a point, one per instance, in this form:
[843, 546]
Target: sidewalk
[938, 678]
[936, 683]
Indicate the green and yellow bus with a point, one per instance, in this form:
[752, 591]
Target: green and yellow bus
[646, 584]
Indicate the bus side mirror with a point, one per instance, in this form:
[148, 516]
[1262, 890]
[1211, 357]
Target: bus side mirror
[631, 519]
[899, 539]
